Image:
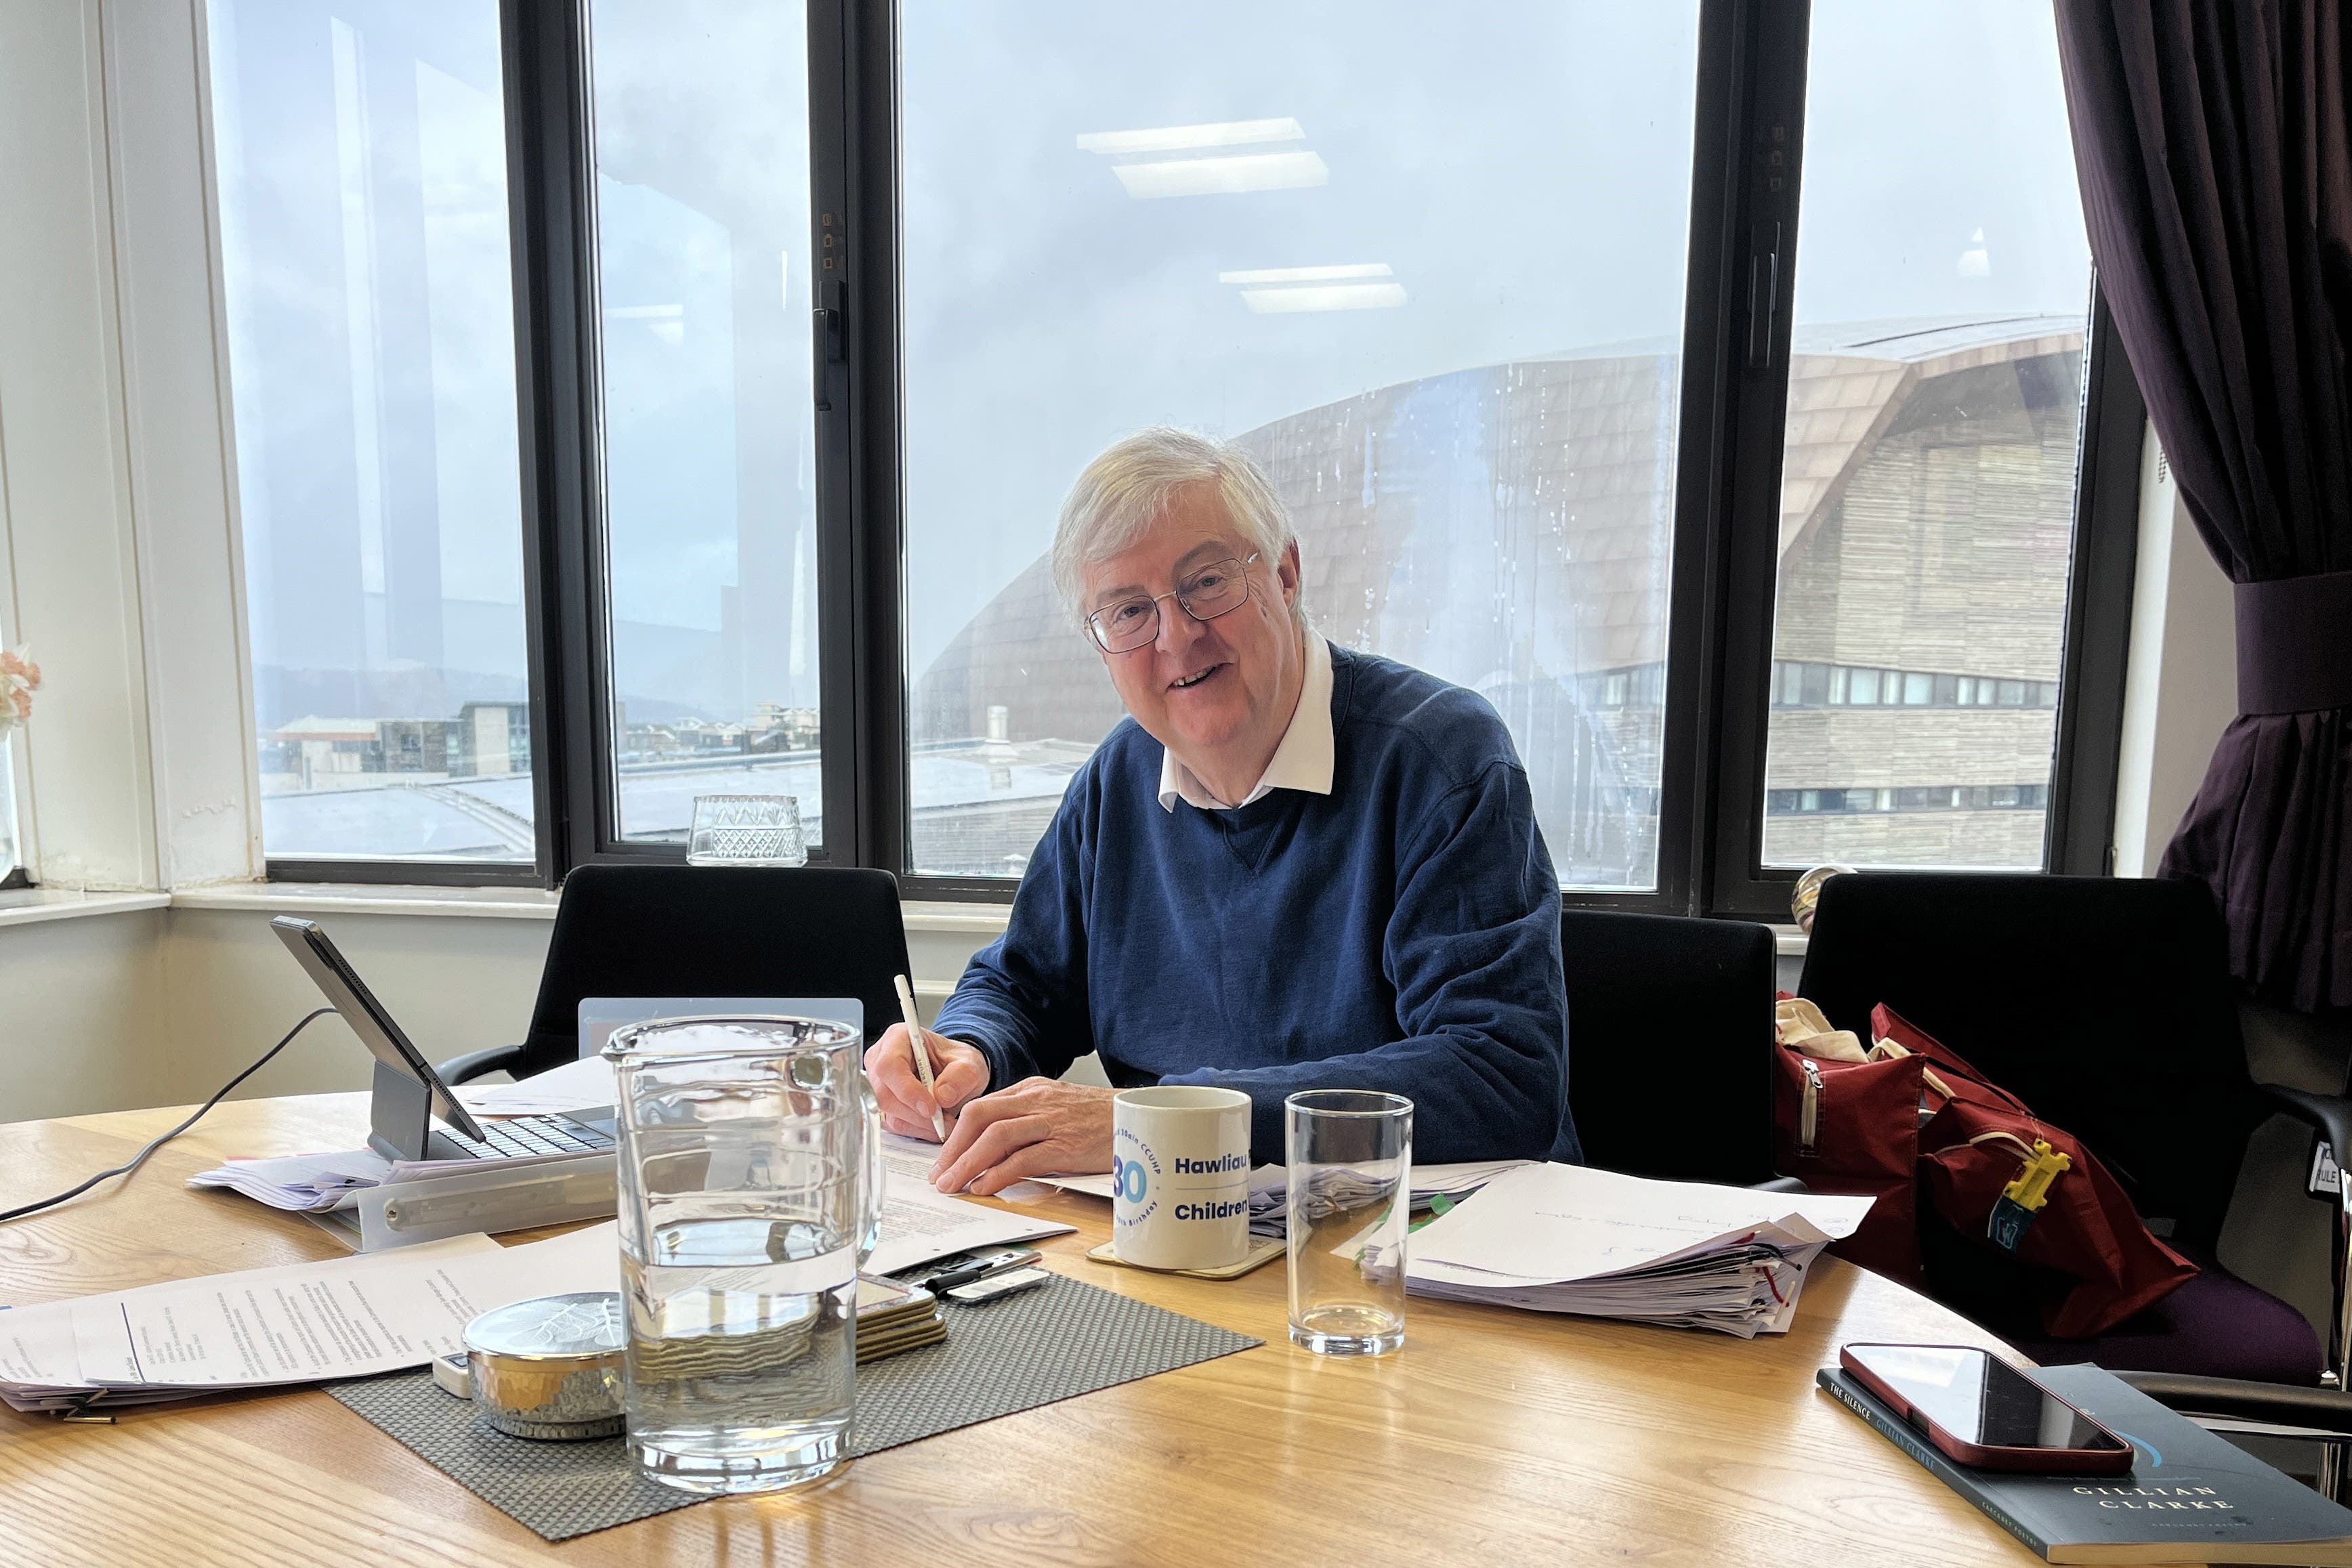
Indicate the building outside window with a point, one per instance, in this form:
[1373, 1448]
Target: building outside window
[1943, 289]
[1435, 288]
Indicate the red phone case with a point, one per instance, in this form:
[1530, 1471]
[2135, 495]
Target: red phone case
[2114, 1461]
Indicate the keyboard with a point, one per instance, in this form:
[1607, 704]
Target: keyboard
[528, 1137]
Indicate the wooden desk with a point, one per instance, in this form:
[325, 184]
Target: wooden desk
[1494, 1437]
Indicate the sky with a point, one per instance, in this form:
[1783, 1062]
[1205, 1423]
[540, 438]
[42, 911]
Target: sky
[1502, 181]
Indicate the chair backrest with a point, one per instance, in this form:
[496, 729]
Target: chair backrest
[2105, 1003]
[716, 931]
[1670, 1044]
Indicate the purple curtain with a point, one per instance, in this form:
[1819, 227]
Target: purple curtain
[2210, 136]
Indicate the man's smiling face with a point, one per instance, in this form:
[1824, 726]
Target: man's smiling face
[1218, 694]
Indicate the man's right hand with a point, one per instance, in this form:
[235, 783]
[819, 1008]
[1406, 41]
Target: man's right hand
[958, 1070]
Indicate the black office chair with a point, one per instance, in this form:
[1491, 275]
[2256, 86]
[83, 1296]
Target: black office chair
[1670, 1045]
[2106, 1005]
[707, 931]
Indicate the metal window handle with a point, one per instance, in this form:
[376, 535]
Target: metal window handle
[1763, 294]
[832, 340]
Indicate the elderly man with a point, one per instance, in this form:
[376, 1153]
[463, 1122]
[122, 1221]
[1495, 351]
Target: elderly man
[1291, 867]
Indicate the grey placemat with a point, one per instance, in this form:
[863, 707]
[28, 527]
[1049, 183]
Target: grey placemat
[1062, 1339]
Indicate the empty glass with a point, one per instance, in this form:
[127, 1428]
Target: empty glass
[1350, 1154]
[746, 829]
[750, 1182]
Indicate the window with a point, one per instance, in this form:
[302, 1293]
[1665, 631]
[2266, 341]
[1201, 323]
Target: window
[636, 400]
[1927, 514]
[362, 188]
[1338, 245]
[704, 294]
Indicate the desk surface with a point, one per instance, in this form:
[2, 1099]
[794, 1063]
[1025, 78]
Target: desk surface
[1494, 1437]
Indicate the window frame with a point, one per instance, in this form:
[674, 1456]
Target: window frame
[1745, 175]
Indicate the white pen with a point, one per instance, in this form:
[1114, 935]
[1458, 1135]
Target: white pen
[922, 1055]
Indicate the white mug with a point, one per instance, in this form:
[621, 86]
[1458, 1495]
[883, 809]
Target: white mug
[1179, 1165]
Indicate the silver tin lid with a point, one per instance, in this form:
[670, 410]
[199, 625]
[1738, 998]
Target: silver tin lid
[551, 1367]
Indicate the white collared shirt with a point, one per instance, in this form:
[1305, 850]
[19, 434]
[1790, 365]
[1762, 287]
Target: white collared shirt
[1303, 761]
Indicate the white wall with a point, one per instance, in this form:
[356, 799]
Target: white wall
[2182, 686]
[81, 1017]
[65, 474]
[106, 1012]
[183, 451]
[116, 457]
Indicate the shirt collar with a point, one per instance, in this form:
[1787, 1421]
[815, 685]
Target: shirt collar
[1302, 762]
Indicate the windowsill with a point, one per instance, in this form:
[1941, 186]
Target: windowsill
[372, 898]
[494, 902]
[937, 914]
[32, 906]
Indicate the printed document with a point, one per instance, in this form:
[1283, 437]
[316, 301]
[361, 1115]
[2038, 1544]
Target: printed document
[295, 1323]
[1568, 1238]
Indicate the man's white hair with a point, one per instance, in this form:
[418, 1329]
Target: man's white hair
[1127, 489]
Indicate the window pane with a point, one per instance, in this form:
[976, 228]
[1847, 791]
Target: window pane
[1434, 285]
[1926, 510]
[361, 156]
[702, 247]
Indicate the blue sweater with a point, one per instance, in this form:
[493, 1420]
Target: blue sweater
[1401, 934]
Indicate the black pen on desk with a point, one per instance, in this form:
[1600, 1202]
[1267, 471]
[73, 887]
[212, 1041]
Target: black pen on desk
[971, 1272]
[922, 1053]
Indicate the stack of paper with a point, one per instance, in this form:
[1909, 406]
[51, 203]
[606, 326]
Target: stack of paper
[315, 1182]
[298, 1323]
[1567, 1238]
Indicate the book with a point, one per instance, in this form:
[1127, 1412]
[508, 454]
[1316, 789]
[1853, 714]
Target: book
[2191, 1495]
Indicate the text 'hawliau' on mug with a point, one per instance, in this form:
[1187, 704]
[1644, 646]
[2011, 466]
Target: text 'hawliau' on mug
[1179, 1165]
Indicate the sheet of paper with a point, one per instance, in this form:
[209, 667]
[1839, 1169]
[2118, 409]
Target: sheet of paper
[1095, 1186]
[914, 1158]
[344, 1318]
[37, 1347]
[919, 1224]
[1554, 1222]
[583, 1085]
[911, 1157]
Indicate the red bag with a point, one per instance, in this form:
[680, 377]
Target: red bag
[1843, 1124]
[1978, 1148]
[1910, 1116]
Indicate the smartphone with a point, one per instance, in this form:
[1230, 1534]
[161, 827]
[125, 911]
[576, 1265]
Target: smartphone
[1984, 1413]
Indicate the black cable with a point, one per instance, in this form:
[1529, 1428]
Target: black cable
[140, 1157]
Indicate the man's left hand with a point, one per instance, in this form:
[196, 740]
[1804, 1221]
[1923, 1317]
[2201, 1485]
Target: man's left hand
[1039, 1126]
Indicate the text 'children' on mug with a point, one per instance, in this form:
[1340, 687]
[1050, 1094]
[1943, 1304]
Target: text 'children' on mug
[1179, 1167]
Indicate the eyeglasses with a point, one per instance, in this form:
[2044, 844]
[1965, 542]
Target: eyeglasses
[1207, 592]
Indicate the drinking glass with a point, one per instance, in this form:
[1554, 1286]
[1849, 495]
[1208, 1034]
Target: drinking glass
[746, 829]
[751, 1180]
[1349, 1157]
